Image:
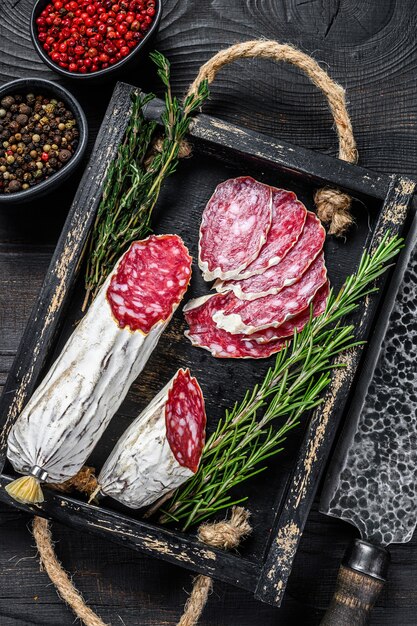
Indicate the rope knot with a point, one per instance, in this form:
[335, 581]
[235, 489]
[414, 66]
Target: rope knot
[228, 533]
[333, 208]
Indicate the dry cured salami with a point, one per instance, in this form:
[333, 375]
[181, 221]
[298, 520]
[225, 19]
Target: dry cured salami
[288, 219]
[149, 282]
[161, 449]
[297, 323]
[286, 272]
[105, 354]
[249, 316]
[224, 345]
[203, 333]
[234, 227]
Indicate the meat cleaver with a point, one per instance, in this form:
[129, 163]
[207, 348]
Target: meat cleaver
[372, 479]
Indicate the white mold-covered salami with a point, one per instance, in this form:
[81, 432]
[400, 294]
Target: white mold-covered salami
[67, 414]
[288, 219]
[234, 227]
[161, 449]
[250, 316]
[285, 273]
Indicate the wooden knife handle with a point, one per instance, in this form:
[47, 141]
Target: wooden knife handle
[360, 581]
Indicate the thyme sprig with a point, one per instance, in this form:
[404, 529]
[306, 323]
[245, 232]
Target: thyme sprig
[135, 177]
[241, 443]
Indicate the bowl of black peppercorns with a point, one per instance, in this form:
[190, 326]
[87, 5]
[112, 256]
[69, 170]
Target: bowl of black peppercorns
[43, 136]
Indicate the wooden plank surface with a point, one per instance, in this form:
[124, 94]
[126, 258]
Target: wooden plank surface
[370, 49]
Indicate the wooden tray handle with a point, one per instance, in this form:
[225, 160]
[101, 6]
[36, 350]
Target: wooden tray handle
[360, 581]
[333, 206]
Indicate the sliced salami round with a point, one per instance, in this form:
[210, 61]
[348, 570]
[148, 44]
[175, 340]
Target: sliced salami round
[288, 219]
[224, 345]
[298, 322]
[250, 316]
[286, 272]
[185, 420]
[161, 449]
[149, 282]
[203, 332]
[199, 312]
[234, 227]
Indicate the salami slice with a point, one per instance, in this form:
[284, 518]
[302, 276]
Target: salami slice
[288, 219]
[104, 355]
[286, 272]
[249, 316]
[234, 227]
[203, 332]
[161, 449]
[144, 291]
[298, 322]
[224, 345]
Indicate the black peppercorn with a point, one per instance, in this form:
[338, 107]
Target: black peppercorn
[25, 109]
[14, 185]
[64, 155]
[7, 102]
[21, 119]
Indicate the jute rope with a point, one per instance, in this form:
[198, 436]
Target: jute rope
[333, 206]
[58, 575]
[226, 534]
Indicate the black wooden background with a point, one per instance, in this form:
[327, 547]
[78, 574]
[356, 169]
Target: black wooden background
[369, 47]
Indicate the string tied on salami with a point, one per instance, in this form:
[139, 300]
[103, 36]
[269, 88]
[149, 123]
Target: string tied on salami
[333, 205]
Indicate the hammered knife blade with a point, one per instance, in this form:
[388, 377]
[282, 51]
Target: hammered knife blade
[372, 480]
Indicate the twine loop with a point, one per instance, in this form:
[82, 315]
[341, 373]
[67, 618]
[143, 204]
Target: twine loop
[227, 534]
[333, 208]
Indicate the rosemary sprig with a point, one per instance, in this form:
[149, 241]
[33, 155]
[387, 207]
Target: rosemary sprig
[241, 443]
[135, 177]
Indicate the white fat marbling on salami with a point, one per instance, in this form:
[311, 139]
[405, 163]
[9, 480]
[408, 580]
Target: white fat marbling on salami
[149, 282]
[203, 333]
[286, 272]
[250, 316]
[185, 420]
[297, 323]
[161, 449]
[288, 218]
[234, 227]
[71, 408]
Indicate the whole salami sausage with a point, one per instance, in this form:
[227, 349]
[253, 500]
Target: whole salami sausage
[161, 449]
[69, 411]
[285, 273]
[234, 227]
[249, 316]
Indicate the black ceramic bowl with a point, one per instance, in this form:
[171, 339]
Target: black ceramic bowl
[108, 71]
[47, 88]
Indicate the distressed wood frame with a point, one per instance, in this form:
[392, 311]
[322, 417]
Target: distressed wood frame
[267, 578]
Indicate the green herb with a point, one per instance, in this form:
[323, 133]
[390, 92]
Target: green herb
[238, 448]
[135, 177]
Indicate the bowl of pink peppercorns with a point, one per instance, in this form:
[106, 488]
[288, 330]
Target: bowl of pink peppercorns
[85, 38]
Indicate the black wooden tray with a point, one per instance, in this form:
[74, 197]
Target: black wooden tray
[281, 497]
